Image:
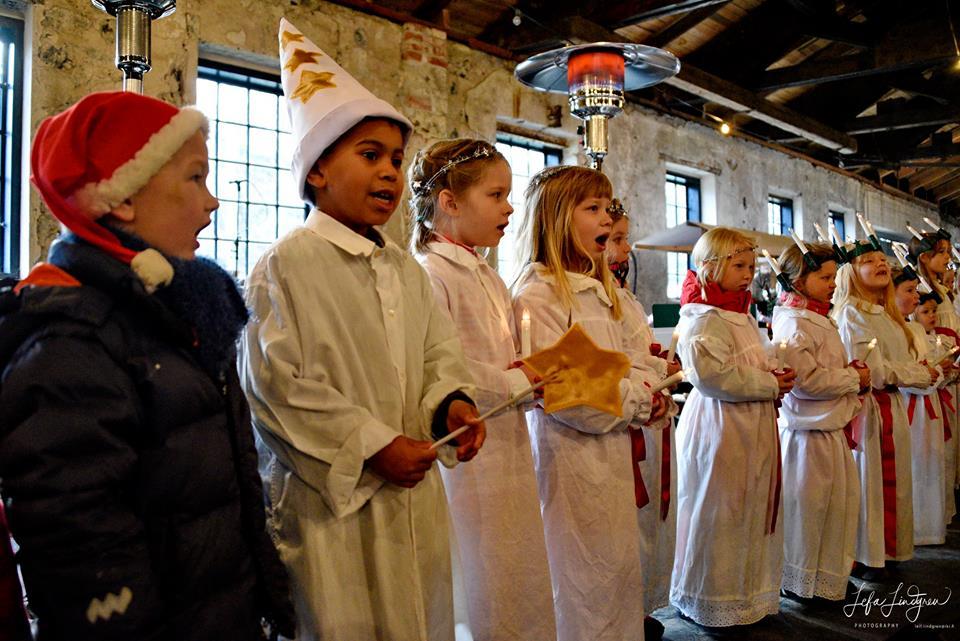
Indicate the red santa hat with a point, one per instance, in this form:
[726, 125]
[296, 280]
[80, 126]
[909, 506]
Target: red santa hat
[90, 158]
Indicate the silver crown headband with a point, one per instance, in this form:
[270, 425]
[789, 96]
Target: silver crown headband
[423, 187]
[752, 248]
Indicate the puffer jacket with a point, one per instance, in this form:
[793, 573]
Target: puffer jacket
[129, 471]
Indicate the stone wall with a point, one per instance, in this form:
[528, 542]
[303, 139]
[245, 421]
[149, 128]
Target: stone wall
[447, 90]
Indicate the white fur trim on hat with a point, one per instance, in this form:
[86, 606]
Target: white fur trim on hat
[152, 269]
[101, 197]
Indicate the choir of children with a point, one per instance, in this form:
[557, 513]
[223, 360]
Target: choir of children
[573, 524]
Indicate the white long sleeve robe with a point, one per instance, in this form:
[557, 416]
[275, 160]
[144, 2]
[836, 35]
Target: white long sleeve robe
[493, 501]
[658, 537]
[728, 565]
[584, 472]
[821, 489]
[891, 363]
[948, 316]
[346, 350]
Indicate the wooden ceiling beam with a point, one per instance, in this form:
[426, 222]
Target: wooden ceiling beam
[947, 191]
[431, 10]
[930, 179]
[681, 26]
[820, 20]
[650, 9]
[904, 119]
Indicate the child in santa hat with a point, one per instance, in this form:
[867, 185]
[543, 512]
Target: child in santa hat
[351, 370]
[125, 449]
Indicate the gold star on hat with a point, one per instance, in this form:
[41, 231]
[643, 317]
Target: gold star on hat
[590, 375]
[286, 37]
[310, 83]
[301, 57]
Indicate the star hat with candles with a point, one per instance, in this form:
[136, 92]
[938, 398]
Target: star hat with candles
[323, 100]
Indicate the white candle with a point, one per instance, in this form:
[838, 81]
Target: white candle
[525, 334]
[822, 237]
[669, 381]
[934, 226]
[936, 350]
[673, 346]
[835, 234]
[863, 224]
[915, 233]
[956, 255]
[870, 346]
[782, 356]
[796, 239]
[773, 262]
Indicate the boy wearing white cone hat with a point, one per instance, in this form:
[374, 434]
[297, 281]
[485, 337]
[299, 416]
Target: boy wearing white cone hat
[351, 370]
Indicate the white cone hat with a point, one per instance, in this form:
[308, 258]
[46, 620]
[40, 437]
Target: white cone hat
[323, 100]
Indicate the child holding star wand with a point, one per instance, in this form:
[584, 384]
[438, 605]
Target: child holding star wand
[581, 456]
[729, 548]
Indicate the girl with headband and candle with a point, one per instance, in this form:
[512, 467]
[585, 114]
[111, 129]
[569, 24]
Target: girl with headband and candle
[865, 309]
[821, 490]
[729, 557]
[459, 203]
[654, 446]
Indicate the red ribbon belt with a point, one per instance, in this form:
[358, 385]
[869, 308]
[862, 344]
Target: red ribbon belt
[912, 406]
[665, 472]
[773, 502]
[946, 402]
[888, 468]
[638, 451]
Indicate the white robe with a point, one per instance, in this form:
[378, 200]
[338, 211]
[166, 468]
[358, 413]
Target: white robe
[891, 364]
[926, 450]
[346, 349]
[821, 489]
[584, 473]
[949, 317]
[728, 564]
[493, 501]
[658, 537]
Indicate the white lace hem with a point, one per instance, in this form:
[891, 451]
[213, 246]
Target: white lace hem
[810, 583]
[724, 613]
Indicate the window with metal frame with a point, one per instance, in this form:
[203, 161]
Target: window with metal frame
[683, 197]
[11, 122]
[526, 157]
[250, 148]
[779, 215]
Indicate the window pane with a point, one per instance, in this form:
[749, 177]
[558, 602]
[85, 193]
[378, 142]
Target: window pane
[263, 109]
[232, 142]
[263, 184]
[263, 147]
[232, 103]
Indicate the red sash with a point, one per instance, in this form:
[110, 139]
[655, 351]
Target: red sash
[665, 472]
[912, 407]
[888, 467]
[638, 451]
[946, 402]
[773, 501]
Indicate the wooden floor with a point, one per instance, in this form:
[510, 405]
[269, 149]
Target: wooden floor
[934, 570]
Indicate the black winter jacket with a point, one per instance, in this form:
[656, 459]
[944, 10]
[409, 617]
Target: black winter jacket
[129, 470]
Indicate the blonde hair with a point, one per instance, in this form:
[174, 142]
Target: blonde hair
[547, 229]
[715, 249]
[850, 291]
[429, 175]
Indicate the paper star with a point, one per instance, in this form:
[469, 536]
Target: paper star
[300, 57]
[311, 82]
[590, 375]
[288, 36]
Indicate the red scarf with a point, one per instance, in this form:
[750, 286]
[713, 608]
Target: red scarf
[799, 301]
[731, 301]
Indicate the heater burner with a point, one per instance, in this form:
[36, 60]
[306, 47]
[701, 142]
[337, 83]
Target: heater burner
[133, 35]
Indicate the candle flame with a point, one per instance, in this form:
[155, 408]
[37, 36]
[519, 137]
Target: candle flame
[526, 315]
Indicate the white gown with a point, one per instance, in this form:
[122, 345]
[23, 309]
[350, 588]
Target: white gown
[658, 535]
[584, 474]
[927, 452]
[892, 365]
[821, 489]
[493, 501]
[728, 564]
[949, 317]
[346, 349]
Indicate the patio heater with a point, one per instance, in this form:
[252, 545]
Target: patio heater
[134, 18]
[595, 77]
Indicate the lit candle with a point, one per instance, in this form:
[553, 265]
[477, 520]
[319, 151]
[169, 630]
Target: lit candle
[669, 381]
[673, 346]
[934, 226]
[867, 230]
[936, 350]
[822, 237]
[835, 234]
[915, 233]
[782, 356]
[773, 262]
[870, 346]
[525, 334]
[796, 239]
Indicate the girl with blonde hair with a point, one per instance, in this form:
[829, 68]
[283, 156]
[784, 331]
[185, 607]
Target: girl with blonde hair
[729, 546]
[584, 473]
[821, 490]
[655, 464]
[459, 203]
[865, 309]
